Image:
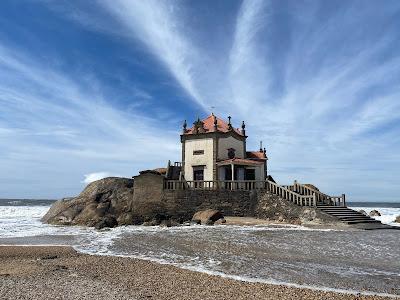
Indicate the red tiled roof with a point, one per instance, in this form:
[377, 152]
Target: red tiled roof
[240, 161]
[208, 122]
[255, 155]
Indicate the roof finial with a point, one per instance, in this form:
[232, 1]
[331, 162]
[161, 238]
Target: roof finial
[229, 123]
[184, 126]
[243, 128]
[261, 148]
[215, 123]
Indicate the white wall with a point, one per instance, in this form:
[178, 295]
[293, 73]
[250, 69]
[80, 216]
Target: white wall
[205, 159]
[260, 172]
[230, 142]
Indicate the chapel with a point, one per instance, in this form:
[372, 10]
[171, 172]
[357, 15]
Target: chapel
[214, 150]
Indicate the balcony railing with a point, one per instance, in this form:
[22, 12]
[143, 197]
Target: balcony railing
[300, 195]
[215, 185]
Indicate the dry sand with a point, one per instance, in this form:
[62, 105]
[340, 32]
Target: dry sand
[51, 272]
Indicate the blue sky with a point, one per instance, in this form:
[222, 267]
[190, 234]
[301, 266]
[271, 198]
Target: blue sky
[96, 88]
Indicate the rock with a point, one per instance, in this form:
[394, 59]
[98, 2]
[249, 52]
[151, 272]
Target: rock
[195, 222]
[374, 213]
[103, 203]
[207, 217]
[107, 222]
[361, 211]
[151, 223]
[220, 221]
[272, 207]
[60, 268]
[397, 219]
[49, 257]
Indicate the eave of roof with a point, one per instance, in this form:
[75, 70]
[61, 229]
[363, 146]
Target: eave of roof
[239, 161]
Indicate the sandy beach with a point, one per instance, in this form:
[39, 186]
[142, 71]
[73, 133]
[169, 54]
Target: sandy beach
[58, 272]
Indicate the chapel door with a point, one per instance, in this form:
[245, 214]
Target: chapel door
[198, 177]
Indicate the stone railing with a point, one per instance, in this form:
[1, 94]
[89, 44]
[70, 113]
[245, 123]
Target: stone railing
[321, 197]
[215, 185]
[298, 193]
[286, 193]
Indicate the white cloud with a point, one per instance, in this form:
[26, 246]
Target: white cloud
[318, 120]
[316, 128]
[89, 178]
[62, 128]
[154, 23]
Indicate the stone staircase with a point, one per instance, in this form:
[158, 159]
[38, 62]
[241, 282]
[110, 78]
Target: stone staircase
[346, 214]
[332, 205]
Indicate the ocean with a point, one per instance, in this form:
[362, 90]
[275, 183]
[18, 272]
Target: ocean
[340, 260]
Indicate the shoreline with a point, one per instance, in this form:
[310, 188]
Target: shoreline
[29, 271]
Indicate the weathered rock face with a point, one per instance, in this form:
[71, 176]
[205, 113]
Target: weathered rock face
[207, 217]
[271, 207]
[103, 203]
[374, 213]
[363, 212]
[113, 201]
[397, 219]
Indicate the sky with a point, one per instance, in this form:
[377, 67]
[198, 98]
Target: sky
[90, 89]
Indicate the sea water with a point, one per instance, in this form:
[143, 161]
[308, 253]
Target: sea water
[367, 261]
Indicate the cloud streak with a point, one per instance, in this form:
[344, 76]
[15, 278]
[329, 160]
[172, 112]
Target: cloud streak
[320, 117]
[59, 126]
[156, 25]
[318, 84]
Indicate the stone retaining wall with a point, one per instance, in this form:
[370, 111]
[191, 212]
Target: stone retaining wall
[148, 191]
[122, 201]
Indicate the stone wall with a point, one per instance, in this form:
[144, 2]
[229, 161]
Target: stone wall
[231, 203]
[149, 196]
[122, 201]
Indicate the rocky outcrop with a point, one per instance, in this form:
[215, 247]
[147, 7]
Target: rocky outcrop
[374, 213]
[397, 220]
[361, 211]
[272, 207]
[103, 203]
[114, 201]
[207, 217]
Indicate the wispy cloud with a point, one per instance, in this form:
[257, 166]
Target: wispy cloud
[51, 123]
[324, 108]
[157, 24]
[318, 84]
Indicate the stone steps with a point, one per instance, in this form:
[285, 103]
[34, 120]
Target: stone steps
[344, 214]
[347, 215]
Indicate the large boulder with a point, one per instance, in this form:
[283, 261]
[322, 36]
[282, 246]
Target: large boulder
[397, 220]
[207, 217]
[361, 211]
[103, 203]
[374, 213]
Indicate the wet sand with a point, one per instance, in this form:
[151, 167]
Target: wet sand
[58, 272]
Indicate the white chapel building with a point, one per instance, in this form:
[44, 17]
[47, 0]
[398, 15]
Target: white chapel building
[212, 149]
